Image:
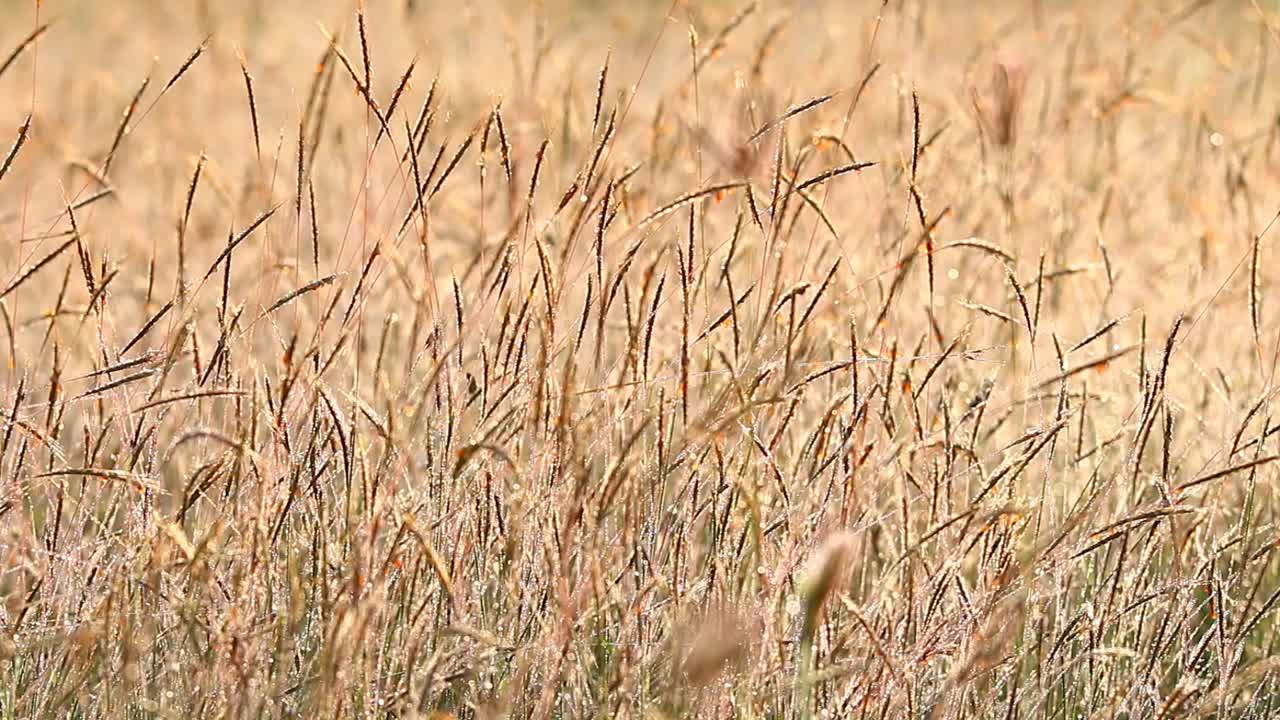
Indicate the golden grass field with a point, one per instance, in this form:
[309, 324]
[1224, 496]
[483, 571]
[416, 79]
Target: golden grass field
[789, 359]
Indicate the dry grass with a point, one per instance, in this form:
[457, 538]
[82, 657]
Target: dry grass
[787, 360]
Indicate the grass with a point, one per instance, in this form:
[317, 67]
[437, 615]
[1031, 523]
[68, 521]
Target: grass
[783, 360]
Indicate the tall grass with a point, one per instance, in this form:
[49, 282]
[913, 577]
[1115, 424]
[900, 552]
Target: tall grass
[781, 360]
